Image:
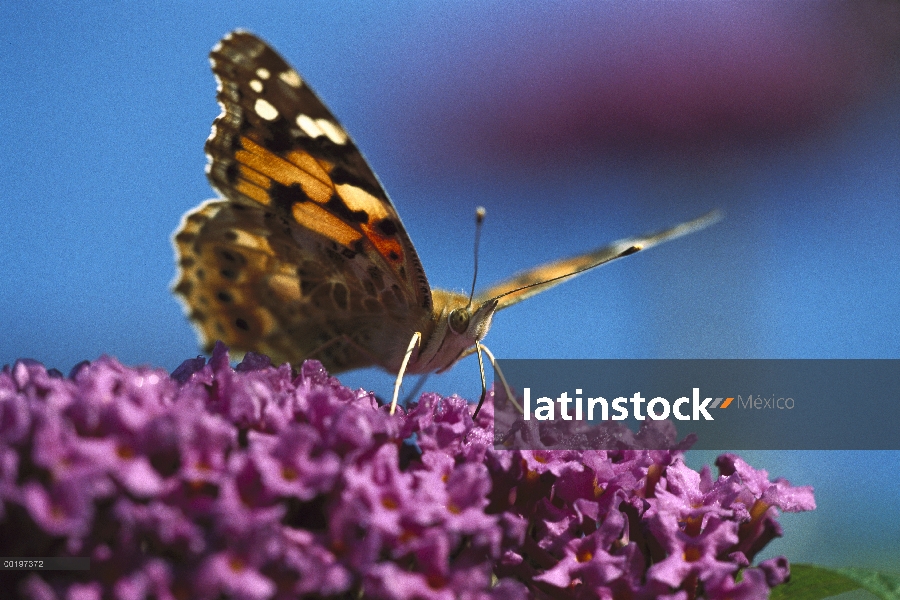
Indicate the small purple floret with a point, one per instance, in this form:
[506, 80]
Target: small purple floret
[258, 483]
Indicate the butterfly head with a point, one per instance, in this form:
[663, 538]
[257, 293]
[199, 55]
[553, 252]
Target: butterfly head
[458, 324]
[472, 323]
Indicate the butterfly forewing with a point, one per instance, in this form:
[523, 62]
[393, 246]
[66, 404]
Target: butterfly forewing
[536, 280]
[305, 254]
[276, 145]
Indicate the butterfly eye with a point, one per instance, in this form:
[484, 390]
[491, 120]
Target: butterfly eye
[459, 320]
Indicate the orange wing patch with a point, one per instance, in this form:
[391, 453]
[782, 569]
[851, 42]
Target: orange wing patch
[316, 218]
[259, 167]
[299, 168]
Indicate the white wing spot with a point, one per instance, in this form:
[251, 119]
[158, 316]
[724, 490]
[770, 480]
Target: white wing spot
[316, 127]
[309, 126]
[334, 133]
[265, 110]
[291, 78]
[256, 85]
[263, 73]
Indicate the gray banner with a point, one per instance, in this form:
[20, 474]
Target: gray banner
[728, 404]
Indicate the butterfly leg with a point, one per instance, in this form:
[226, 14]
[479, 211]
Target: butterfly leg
[416, 338]
[503, 382]
[506, 388]
[483, 384]
[478, 348]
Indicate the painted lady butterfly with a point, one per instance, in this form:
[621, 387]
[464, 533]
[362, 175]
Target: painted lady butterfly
[304, 256]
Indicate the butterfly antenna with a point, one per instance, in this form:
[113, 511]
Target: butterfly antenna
[479, 220]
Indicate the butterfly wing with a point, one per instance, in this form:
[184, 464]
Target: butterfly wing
[534, 281]
[306, 250]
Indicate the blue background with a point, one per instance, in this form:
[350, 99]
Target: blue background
[573, 123]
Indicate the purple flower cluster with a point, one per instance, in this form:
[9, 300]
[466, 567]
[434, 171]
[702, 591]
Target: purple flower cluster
[256, 483]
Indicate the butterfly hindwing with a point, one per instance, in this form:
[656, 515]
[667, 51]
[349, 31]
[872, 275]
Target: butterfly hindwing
[252, 279]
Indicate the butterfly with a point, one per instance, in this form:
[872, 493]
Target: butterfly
[304, 255]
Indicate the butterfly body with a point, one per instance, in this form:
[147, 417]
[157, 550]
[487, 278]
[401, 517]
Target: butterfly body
[304, 256]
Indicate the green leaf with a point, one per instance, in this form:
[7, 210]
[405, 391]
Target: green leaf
[809, 582]
[883, 585]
